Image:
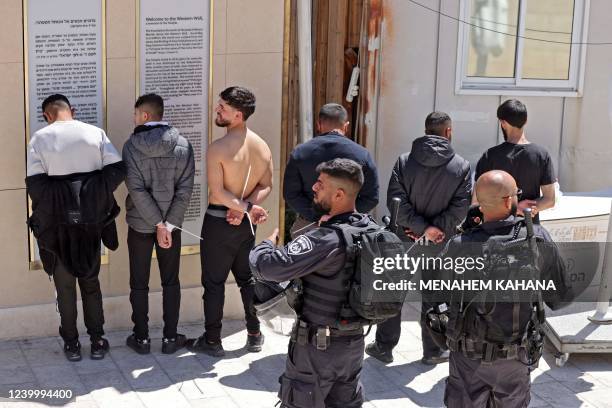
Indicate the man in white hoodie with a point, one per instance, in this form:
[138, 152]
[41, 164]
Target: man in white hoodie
[70, 165]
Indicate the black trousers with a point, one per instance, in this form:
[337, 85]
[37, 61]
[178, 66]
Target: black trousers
[140, 248]
[472, 384]
[388, 333]
[320, 379]
[65, 286]
[226, 247]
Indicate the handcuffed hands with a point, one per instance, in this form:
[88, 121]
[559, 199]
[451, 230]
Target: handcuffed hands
[234, 217]
[164, 236]
[258, 215]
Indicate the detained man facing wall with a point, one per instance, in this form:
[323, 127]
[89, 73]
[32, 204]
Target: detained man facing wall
[72, 171]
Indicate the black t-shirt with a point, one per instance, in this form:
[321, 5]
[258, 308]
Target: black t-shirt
[529, 164]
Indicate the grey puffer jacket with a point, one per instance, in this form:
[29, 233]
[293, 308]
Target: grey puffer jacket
[160, 173]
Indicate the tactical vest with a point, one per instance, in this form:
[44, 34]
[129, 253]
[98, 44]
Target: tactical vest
[501, 328]
[336, 301]
[324, 297]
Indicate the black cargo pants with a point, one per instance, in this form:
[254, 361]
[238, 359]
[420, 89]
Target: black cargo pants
[320, 379]
[388, 333]
[472, 384]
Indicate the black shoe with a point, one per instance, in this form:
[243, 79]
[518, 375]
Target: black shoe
[169, 346]
[139, 346]
[374, 350]
[73, 351]
[99, 348]
[254, 343]
[437, 359]
[201, 345]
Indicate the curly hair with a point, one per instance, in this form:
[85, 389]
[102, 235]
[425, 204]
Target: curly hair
[241, 99]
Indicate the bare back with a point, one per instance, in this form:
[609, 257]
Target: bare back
[239, 157]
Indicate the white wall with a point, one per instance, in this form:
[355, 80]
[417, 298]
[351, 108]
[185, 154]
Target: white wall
[419, 58]
[247, 50]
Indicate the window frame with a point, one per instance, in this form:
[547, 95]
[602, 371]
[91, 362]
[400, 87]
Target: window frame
[518, 86]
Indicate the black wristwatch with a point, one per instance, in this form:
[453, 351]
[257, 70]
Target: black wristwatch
[249, 206]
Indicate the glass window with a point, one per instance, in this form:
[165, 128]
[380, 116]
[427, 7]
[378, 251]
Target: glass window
[549, 20]
[492, 53]
[521, 45]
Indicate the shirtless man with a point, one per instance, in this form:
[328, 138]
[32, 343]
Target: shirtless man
[239, 169]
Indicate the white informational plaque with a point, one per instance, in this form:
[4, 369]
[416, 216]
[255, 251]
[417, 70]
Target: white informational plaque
[65, 55]
[174, 61]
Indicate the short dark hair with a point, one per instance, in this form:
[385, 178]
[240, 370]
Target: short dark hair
[56, 99]
[514, 112]
[240, 99]
[345, 170]
[436, 123]
[333, 113]
[153, 102]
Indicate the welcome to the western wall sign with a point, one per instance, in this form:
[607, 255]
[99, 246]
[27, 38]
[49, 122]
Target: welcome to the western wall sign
[174, 62]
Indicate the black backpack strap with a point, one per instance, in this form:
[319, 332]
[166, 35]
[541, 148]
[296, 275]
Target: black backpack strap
[352, 239]
[348, 232]
[516, 308]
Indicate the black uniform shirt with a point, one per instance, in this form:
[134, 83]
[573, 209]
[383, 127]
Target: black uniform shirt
[529, 164]
[319, 250]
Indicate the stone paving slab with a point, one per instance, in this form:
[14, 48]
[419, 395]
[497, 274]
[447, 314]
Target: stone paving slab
[250, 380]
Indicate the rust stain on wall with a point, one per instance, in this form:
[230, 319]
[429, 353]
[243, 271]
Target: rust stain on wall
[373, 40]
[388, 32]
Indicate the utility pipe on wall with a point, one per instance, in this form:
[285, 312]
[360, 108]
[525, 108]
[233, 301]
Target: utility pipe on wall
[304, 17]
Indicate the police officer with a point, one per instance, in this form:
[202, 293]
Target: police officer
[483, 372]
[323, 363]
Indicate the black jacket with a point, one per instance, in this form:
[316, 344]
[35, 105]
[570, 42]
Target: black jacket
[300, 173]
[433, 184]
[69, 229]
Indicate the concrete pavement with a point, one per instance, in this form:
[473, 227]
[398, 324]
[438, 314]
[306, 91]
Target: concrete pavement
[125, 379]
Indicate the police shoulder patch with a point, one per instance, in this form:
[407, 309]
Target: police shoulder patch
[300, 246]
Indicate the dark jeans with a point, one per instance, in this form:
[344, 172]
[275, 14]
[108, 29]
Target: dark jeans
[140, 247]
[65, 286]
[226, 247]
[388, 334]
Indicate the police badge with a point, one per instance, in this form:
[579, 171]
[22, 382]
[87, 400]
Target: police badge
[300, 246]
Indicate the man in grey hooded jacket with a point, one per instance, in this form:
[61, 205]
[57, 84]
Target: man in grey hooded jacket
[160, 173]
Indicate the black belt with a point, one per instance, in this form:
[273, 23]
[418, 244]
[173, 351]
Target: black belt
[319, 336]
[487, 352]
[219, 211]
